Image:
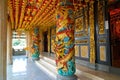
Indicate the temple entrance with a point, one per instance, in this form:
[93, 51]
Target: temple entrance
[45, 41]
[115, 34]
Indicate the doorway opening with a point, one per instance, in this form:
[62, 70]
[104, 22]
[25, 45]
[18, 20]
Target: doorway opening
[45, 41]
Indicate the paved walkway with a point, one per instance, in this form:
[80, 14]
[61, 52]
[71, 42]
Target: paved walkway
[25, 69]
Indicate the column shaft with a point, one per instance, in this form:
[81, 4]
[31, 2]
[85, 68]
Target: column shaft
[3, 38]
[9, 44]
[27, 44]
[30, 44]
[65, 39]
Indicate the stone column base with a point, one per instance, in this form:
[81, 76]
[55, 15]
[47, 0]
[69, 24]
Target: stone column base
[35, 59]
[59, 77]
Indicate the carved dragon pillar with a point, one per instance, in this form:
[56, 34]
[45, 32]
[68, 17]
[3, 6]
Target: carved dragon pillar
[64, 49]
[35, 46]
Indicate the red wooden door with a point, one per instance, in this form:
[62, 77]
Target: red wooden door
[115, 36]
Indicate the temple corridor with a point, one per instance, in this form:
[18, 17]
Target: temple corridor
[25, 69]
[60, 39]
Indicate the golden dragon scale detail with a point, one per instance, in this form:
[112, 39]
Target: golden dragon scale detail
[65, 40]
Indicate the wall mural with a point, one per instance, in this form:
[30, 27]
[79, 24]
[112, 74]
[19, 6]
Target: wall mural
[65, 40]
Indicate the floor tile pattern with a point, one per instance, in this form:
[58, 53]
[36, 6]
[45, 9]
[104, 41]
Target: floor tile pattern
[25, 69]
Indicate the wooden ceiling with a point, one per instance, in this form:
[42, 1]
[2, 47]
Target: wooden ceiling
[26, 14]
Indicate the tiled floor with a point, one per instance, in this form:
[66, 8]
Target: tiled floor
[84, 73]
[96, 74]
[25, 69]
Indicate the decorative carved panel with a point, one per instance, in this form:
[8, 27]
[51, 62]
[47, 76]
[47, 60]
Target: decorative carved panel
[102, 53]
[84, 51]
[81, 41]
[53, 35]
[79, 24]
[82, 32]
[53, 31]
[101, 21]
[77, 51]
[102, 41]
[92, 31]
[86, 17]
[102, 33]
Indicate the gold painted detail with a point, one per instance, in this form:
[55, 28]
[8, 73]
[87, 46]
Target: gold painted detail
[53, 31]
[102, 41]
[81, 41]
[102, 53]
[76, 50]
[92, 41]
[80, 34]
[101, 17]
[79, 24]
[53, 34]
[48, 40]
[10, 8]
[16, 13]
[86, 20]
[65, 41]
[84, 51]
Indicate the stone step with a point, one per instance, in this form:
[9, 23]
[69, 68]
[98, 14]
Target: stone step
[49, 60]
[48, 68]
[50, 65]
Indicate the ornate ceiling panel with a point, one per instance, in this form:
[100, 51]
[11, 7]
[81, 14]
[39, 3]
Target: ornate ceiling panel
[25, 14]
